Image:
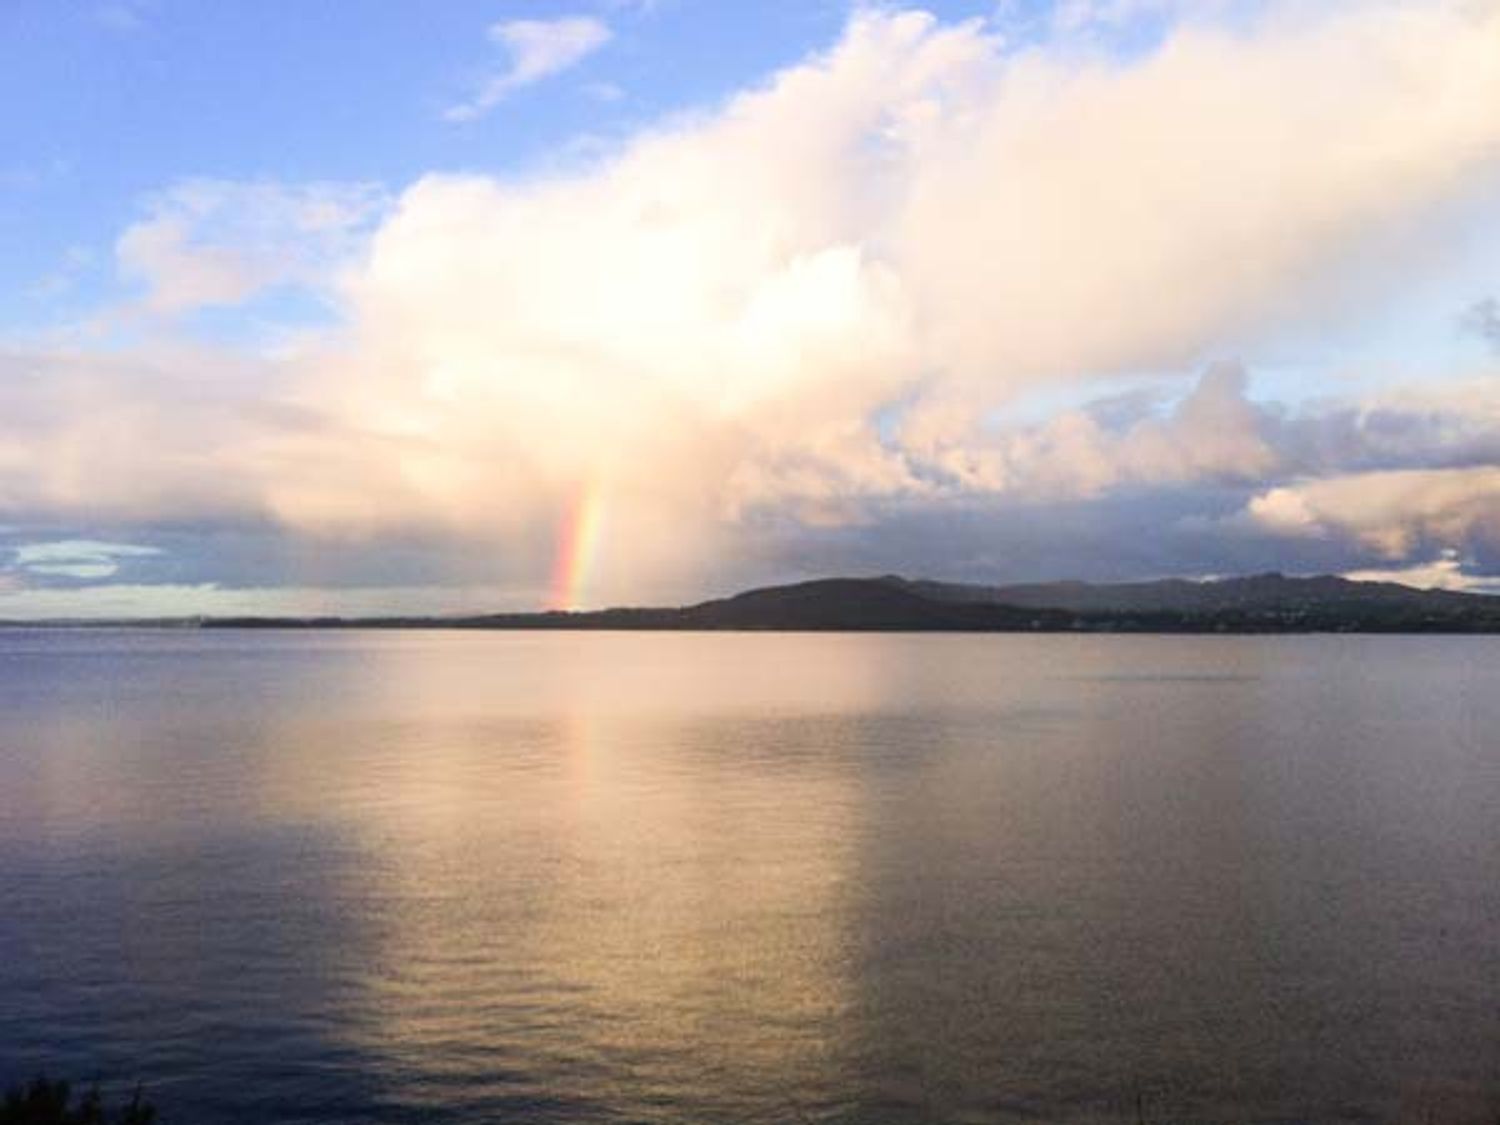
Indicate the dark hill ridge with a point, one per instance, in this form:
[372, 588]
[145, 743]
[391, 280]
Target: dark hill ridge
[1260, 592]
[861, 603]
[1261, 603]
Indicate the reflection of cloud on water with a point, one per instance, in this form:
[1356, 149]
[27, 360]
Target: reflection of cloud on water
[398, 878]
[473, 872]
[623, 867]
[624, 909]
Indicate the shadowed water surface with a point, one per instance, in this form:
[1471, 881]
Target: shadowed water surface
[700, 878]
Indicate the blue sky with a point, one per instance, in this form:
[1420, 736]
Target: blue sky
[914, 277]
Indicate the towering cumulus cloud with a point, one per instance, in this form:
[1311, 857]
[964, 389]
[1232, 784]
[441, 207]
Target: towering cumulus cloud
[824, 304]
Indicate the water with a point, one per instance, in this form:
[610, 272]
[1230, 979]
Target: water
[392, 877]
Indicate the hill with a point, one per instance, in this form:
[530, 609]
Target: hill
[1256, 593]
[1259, 603]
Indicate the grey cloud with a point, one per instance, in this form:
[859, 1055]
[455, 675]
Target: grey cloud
[1482, 319]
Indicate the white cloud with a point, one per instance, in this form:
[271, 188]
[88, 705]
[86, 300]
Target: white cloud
[219, 242]
[1212, 434]
[77, 558]
[1443, 573]
[170, 434]
[714, 316]
[537, 49]
[809, 302]
[1395, 513]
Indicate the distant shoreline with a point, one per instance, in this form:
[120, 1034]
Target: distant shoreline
[1257, 605]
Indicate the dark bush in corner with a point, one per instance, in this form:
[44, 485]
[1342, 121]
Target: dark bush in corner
[42, 1102]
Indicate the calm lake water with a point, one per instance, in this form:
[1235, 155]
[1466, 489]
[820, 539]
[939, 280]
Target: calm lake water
[401, 877]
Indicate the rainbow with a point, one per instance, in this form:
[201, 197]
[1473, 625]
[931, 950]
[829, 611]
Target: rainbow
[577, 545]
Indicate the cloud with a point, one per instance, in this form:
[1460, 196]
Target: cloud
[216, 242]
[178, 435]
[537, 49]
[1443, 573]
[1482, 319]
[76, 558]
[1397, 513]
[605, 92]
[1079, 15]
[1214, 433]
[75, 262]
[804, 315]
[917, 223]
[121, 15]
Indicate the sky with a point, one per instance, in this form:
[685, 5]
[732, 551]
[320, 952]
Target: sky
[309, 307]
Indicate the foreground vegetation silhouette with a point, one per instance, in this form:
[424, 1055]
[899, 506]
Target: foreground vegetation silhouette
[44, 1102]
